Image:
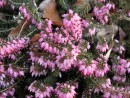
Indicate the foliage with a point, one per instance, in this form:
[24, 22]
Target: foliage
[83, 51]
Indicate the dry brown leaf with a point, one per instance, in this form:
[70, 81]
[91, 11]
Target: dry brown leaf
[79, 2]
[35, 38]
[24, 24]
[51, 13]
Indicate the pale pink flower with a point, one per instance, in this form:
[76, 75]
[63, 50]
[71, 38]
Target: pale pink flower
[102, 13]
[39, 26]
[24, 11]
[65, 90]
[14, 46]
[40, 90]
[128, 13]
[72, 23]
[91, 31]
[87, 69]
[120, 70]
[2, 3]
[15, 73]
[1, 69]
[102, 47]
[37, 71]
[102, 67]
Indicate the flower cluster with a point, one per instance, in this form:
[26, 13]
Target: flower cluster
[87, 69]
[102, 67]
[97, 68]
[62, 90]
[13, 47]
[2, 3]
[24, 11]
[91, 31]
[74, 24]
[103, 13]
[56, 50]
[73, 52]
[65, 90]
[110, 91]
[8, 93]
[128, 13]
[6, 81]
[120, 68]
[102, 48]
[119, 47]
[40, 90]
[14, 73]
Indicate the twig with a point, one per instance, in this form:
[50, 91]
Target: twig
[10, 86]
[36, 10]
[19, 59]
[14, 2]
[5, 30]
[22, 28]
[31, 32]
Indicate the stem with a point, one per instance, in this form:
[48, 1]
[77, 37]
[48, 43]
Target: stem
[95, 82]
[5, 30]
[64, 4]
[36, 10]
[22, 28]
[14, 2]
[19, 59]
[10, 86]
[31, 32]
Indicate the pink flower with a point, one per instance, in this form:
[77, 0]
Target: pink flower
[49, 26]
[14, 73]
[29, 96]
[1, 68]
[120, 70]
[128, 13]
[72, 23]
[40, 90]
[65, 90]
[106, 95]
[37, 70]
[24, 11]
[87, 69]
[102, 67]
[85, 23]
[2, 3]
[91, 31]
[13, 46]
[102, 47]
[9, 93]
[39, 26]
[103, 12]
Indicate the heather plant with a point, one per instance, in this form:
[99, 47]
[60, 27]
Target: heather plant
[71, 49]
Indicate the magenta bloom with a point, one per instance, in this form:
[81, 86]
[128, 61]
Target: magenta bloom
[102, 13]
[102, 67]
[120, 69]
[37, 70]
[2, 3]
[40, 90]
[102, 47]
[24, 11]
[15, 73]
[87, 69]
[65, 90]
[72, 23]
[14, 46]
